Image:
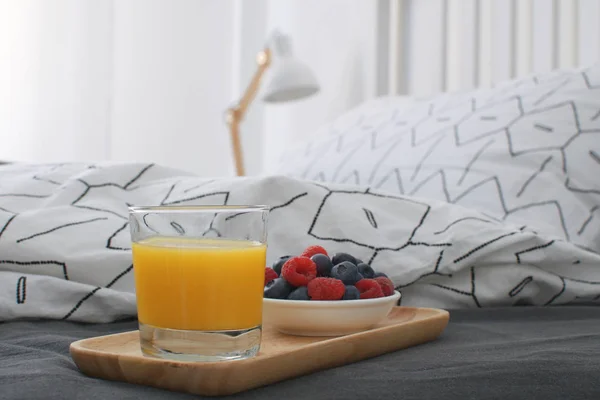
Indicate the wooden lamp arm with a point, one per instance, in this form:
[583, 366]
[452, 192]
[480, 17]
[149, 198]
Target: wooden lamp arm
[236, 114]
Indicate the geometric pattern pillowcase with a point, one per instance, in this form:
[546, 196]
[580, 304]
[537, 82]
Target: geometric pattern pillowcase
[526, 151]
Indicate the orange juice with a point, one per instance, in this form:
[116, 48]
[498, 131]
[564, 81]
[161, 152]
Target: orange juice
[199, 284]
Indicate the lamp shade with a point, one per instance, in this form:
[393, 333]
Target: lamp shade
[289, 78]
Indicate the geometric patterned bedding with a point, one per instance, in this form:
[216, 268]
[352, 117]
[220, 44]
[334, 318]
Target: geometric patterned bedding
[65, 247]
[525, 151]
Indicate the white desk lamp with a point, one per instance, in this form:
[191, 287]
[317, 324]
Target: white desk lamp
[289, 80]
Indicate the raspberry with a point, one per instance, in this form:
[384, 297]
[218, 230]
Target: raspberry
[369, 289]
[298, 271]
[326, 289]
[312, 250]
[270, 275]
[387, 286]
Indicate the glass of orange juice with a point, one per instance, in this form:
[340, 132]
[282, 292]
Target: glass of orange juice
[199, 276]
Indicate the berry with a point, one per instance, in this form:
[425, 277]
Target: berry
[366, 270]
[346, 272]
[270, 275]
[312, 250]
[326, 289]
[324, 264]
[277, 265]
[278, 289]
[387, 286]
[341, 257]
[298, 271]
[359, 261]
[369, 289]
[300, 293]
[378, 274]
[351, 293]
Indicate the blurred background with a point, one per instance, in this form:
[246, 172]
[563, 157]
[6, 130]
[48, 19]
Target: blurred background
[150, 80]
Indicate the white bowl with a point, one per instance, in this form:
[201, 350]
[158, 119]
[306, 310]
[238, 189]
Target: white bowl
[326, 318]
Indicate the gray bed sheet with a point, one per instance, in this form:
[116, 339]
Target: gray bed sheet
[513, 353]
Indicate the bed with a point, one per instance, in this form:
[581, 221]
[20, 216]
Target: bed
[483, 202]
[519, 352]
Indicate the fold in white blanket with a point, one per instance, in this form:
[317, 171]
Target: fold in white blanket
[65, 245]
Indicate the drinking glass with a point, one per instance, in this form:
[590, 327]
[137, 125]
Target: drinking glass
[199, 276]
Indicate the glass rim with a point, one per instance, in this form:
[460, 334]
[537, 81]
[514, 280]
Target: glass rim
[198, 208]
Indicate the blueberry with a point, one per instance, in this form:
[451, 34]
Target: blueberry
[324, 264]
[366, 270]
[359, 261]
[378, 274]
[277, 265]
[278, 289]
[346, 272]
[351, 293]
[300, 293]
[341, 257]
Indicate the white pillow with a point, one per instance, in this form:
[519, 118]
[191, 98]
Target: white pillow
[525, 151]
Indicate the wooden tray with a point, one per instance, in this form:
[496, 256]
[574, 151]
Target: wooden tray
[118, 357]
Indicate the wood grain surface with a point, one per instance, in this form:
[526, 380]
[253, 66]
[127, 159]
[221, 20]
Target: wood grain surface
[118, 357]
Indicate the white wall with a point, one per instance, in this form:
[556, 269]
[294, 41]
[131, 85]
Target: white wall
[127, 80]
[448, 45]
[338, 39]
[250, 31]
[54, 81]
[149, 80]
[171, 83]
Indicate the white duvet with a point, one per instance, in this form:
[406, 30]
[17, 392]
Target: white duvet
[65, 245]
